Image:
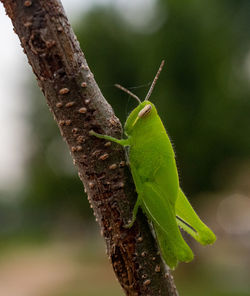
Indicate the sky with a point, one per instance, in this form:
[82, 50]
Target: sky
[15, 72]
[12, 106]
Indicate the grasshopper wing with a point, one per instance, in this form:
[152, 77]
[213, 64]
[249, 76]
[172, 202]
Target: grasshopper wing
[161, 212]
[190, 222]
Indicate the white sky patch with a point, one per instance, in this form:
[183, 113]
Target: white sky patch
[142, 15]
[12, 104]
[14, 70]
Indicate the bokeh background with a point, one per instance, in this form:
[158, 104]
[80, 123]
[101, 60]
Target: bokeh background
[50, 244]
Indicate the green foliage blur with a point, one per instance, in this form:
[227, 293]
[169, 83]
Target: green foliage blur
[202, 97]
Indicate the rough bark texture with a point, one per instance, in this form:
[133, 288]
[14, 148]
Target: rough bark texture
[78, 106]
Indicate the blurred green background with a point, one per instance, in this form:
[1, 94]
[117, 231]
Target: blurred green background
[50, 244]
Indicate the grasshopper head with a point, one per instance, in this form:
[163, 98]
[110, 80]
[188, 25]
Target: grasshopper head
[141, 114]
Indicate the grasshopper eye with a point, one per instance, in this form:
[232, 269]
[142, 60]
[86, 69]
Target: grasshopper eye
[145, 111]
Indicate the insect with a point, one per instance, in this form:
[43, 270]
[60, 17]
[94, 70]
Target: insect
[153, 166]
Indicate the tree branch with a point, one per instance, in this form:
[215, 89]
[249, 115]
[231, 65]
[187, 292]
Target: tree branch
[78, 106]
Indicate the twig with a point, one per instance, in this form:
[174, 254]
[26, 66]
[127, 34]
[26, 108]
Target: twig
[78, 106]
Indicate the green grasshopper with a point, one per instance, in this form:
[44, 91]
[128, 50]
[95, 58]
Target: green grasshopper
[153, 167]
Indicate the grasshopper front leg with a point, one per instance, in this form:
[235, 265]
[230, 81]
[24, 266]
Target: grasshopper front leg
[122, 142]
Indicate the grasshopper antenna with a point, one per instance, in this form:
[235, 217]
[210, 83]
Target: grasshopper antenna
[154, 81]
[128, 92]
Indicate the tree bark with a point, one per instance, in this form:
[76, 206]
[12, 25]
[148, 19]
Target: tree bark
[78, 106]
